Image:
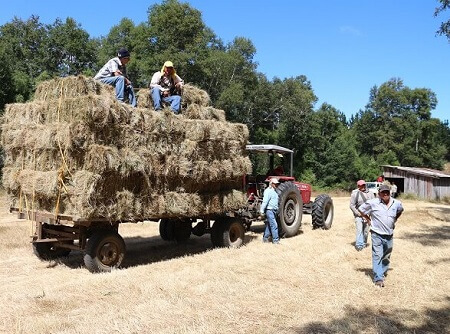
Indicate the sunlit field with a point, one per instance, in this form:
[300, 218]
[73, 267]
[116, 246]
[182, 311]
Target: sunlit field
[314, 282]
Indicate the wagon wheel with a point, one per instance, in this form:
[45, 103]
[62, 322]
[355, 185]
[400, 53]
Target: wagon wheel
[167, 229]
[105, 250]
[182, 230]
[228, 233]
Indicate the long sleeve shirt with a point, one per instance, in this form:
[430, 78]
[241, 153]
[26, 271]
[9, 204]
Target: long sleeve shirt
[163, 82]
[270, 200]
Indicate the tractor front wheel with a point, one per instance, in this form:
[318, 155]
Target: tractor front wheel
[322, 212]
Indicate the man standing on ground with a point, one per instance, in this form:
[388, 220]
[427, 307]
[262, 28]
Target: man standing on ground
[382, 214]
[269, 207]
[394, 190]
[166, 86]
[360, 196]
[114, 73]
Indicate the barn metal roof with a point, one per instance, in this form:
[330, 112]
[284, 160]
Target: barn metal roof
[421, 171]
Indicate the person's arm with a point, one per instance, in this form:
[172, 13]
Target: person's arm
[265, 201]
[178, 82]
[399, 211]
[154, 83]
[353, 204]
[364, 212]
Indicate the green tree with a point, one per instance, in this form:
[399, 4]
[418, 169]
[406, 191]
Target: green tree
[296, 100]
[70, 50]
[397, 127]
[23, 42]
[444, 29]
[178, 33]
[6, 77]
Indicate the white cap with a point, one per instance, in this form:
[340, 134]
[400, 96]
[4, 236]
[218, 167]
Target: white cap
[274, 180]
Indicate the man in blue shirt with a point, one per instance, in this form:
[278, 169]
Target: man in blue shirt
[381, 214]
[269, 207]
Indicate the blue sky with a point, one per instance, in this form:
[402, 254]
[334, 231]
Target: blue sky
[344, 47]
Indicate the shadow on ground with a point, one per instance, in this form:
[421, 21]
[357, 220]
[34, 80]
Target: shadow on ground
[367, 320]
[147, 250]
[429, 236]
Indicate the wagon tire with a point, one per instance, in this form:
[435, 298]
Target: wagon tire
[228, 233]
[104, 251]
[182, 231]
[167, 229]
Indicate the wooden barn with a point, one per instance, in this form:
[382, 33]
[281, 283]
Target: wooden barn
[423, 182]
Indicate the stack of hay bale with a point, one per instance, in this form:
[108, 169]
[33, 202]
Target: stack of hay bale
[75, 150]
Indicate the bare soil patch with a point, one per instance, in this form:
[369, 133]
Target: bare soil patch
[314, 282]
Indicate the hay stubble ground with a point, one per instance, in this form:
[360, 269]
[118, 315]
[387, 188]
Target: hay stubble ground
[314, 282]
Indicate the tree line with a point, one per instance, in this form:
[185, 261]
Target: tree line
[395, 127]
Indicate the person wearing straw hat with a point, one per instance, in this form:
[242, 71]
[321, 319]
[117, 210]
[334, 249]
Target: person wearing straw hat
[114, 73]
[381, 214]
[269, 207]
[166, 87]
[358, 197]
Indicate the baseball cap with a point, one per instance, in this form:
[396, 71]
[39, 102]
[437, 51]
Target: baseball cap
[123, 53]
[360, 182]
[274, 180]
[168, 64]
[384, 187]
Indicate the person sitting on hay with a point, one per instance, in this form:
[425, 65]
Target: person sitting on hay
[114, 73]
[166, 87]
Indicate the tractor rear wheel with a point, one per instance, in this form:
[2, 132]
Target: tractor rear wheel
[290, 209]
[322, 212]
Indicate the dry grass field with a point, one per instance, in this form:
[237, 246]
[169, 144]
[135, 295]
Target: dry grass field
[314, 282]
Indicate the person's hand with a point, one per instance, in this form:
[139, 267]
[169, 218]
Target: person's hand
[179, 85]
[165, 93]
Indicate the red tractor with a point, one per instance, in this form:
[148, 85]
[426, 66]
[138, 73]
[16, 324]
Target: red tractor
[294, 196]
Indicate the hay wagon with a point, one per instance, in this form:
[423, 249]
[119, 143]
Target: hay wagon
[78, 164]
[57, 235]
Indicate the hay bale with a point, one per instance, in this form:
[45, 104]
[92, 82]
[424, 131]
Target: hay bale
[70, 87]
[193, 95]
[106, 159]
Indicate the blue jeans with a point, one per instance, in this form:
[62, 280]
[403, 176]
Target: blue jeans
[174, 100]
[381, 254]
[119, 84]
[362, 232]
[271, 227]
